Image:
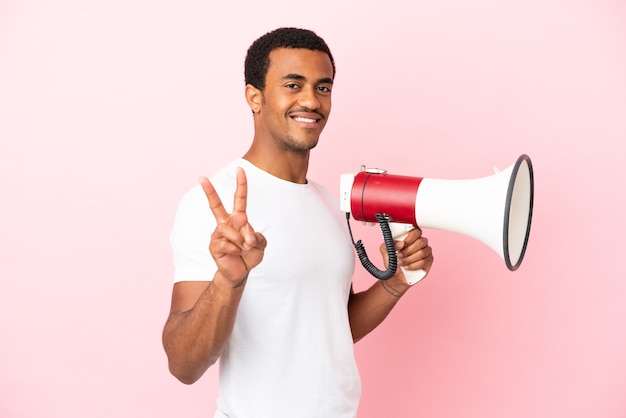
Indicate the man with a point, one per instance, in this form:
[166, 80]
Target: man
[263, 261]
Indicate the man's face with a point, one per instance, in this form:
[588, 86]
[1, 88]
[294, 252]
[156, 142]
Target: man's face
[296, 100]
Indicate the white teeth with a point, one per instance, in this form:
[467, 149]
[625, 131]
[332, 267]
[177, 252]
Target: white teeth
[301, 119]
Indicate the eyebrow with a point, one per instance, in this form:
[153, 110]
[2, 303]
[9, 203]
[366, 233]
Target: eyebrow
[325, 80]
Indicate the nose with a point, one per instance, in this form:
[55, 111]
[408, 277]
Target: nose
[308, 98]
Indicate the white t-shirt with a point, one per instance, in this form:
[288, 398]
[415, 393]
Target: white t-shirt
[291, 350]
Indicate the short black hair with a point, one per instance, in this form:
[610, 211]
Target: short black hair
[258, 57]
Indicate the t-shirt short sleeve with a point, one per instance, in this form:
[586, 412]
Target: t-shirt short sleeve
[190, 237]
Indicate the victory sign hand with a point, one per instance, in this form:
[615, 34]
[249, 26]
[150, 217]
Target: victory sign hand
[235, 246]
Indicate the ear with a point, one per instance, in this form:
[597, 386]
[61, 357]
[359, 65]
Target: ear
[254, 98]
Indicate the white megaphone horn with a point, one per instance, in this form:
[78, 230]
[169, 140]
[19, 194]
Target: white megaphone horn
[496, 210]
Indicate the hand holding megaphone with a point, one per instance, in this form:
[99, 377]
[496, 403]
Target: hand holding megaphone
[496, 210]
[399, 232]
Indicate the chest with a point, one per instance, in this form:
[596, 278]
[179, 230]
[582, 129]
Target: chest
[306, 242]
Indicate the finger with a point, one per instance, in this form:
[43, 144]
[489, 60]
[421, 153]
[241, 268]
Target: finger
[241, 193]
[421, 264]
[416, 257]
[225, 232]
[253, 239]
[410, 246]
[248, 236]
[215, 203]
[261, 242]
[409, 238]
[223, 247]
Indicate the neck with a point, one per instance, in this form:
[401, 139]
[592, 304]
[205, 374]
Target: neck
[286, 165]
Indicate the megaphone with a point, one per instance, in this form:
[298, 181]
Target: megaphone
[496, 210]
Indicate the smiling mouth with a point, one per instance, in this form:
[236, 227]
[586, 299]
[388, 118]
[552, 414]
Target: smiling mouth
[304, 120]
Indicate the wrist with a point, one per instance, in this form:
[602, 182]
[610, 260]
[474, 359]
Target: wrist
[390, 289]
[226, 282]
[395, 286]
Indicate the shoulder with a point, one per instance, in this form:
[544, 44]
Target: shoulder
[324, 193]
[223, 180]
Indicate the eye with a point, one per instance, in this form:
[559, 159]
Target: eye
[324, 89]
[292, 86]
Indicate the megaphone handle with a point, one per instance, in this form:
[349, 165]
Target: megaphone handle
[399, 232]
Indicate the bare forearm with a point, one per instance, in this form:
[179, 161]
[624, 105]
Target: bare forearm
[369, 309]
[194, 339]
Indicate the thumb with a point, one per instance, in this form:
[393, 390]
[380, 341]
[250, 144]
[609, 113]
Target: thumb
[249, 237]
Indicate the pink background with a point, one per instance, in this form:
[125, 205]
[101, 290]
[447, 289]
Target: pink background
[109, 112]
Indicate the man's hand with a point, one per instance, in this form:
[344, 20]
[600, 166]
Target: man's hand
[414, 253]
[235, 246]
